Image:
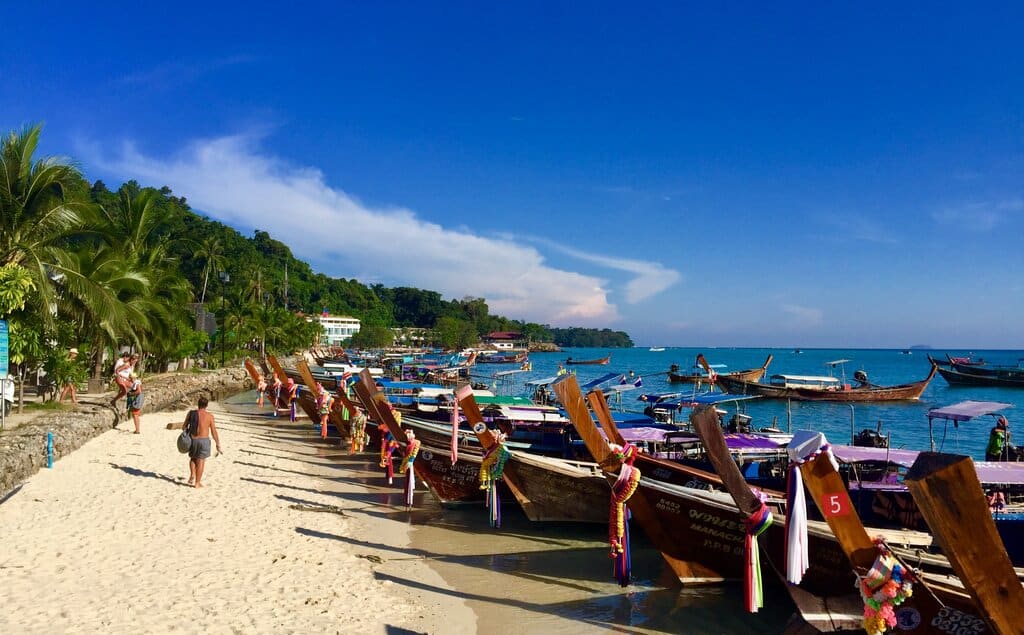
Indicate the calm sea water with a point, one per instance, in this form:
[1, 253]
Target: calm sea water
[906, 421]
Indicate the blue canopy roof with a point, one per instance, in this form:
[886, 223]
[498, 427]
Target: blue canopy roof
[541, 382]
[594, 383]
[967, 410]
[703, 399]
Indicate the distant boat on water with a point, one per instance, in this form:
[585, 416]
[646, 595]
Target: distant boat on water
[826, 388]
[600, 362]
[656, 349]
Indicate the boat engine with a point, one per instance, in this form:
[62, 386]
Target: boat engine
[861, 377]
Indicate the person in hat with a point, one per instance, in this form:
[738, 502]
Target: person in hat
[998, 441]
[69, 388]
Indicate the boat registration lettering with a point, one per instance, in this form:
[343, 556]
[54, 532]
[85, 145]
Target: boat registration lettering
[836, 505]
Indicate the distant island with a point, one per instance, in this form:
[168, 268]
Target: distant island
[920, 347]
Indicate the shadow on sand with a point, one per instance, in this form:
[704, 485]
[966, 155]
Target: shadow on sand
[134, 471]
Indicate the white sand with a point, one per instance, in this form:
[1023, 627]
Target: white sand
[111, 540]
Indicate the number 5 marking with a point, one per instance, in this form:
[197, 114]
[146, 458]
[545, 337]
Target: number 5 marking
[836, 505]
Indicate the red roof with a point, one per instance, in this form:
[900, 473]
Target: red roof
[504, 335]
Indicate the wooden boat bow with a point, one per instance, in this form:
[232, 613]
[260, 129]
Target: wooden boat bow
[950, 497]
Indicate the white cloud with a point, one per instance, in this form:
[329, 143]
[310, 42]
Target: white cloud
[979, 217]
[803, 316]
[229, 179]
[650, 278]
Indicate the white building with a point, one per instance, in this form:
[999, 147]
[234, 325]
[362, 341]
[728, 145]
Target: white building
[337, 328]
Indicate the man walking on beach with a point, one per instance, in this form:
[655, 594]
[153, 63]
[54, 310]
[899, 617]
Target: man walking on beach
[200, 451]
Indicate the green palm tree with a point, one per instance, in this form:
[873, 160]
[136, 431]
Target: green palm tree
[211, 252]
[134, 224]
[38, 213]
[100, 294]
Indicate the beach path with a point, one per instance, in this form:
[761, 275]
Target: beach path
[113, 540]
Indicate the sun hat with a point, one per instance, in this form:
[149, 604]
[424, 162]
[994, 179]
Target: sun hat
[73, 351]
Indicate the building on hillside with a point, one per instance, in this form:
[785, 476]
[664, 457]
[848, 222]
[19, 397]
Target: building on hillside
[505, 340]
[337, 328]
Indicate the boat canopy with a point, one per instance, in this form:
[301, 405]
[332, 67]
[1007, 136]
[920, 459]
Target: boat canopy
[967, 410]
[963, 411]
[988, 471]
[618, 388]
[657, 397]
[837, 362]
[804, 381]
[504, 401]
[506, 373]
[702, 399]
[594, 383]
[541, 382]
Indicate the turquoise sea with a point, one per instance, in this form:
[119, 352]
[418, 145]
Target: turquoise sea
[906, 421]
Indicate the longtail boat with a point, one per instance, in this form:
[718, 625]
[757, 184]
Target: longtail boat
[281, 375]
[599, 362]
[828, 574]
[949, 495]
[820, 613]
[335, 414]
[686, 542]
[964, 372]
[799, 388]
[709, 376]
[452, 484]
[253, 373]
[547, 488]
[875, 565]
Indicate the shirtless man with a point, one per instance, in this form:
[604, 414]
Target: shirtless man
[200, 450]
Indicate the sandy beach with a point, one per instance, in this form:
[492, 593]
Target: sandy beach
[111, 539]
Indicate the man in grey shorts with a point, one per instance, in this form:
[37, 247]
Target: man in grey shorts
[200, 450]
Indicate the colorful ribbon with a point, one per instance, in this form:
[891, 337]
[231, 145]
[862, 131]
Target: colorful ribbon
[411, 450]
[756, 525]
[491, 468]
[618, 525]
[885, 586]
[388, 445]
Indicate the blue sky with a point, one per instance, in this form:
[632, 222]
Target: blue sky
[707, 175]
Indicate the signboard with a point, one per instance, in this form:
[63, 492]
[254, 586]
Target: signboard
[3, 347]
